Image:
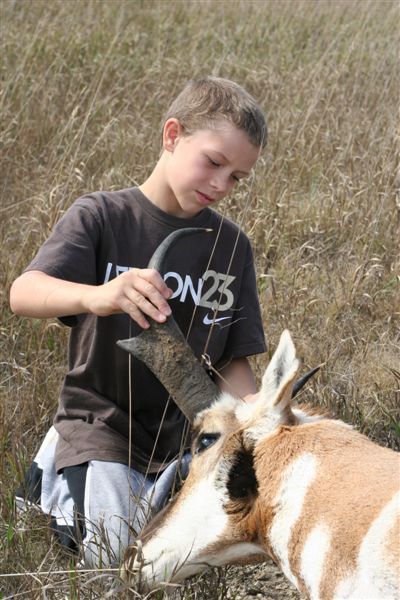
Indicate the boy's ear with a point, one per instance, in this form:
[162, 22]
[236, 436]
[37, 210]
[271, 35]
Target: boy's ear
[171, 133]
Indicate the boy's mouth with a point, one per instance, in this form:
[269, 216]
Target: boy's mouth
[203, 198]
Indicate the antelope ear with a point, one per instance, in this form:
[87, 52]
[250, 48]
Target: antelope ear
[278, 379]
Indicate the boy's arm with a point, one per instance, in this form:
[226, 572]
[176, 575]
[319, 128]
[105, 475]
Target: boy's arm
[240, 380]
[140, 293]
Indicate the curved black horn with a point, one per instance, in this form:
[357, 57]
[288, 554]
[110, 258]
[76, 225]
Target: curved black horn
[164, 350]
[303, 380]
[160, 255]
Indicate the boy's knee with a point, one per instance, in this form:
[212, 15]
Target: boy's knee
[105, 543]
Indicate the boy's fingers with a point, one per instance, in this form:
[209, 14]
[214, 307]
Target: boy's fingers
[144, 290]
[137, 316]
[138, 303]
[155, 279]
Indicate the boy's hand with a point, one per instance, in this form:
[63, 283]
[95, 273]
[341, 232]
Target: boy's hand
[140, 293]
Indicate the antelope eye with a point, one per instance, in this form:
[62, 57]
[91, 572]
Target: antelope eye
[205, 441]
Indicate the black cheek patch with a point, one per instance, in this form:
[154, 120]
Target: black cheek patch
[242, 480]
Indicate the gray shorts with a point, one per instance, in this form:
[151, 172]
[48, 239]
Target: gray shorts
[98, 507]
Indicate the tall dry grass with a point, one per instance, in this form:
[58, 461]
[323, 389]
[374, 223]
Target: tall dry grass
[84, 86]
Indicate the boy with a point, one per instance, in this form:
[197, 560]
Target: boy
[115, 439]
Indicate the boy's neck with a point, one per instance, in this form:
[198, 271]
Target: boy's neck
[156, 188]
[155, 191]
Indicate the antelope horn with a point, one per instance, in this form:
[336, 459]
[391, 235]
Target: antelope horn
[303, 380]
[164, 350]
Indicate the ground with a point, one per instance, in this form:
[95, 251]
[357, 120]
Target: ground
[264, 581]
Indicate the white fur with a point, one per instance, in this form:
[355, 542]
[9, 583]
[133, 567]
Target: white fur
[288, 505]
[303, 417]
[265, 414]
[233, 553]
[374, 577]
[225, 402]
[313, 557]
[282, 367]
[197, 522]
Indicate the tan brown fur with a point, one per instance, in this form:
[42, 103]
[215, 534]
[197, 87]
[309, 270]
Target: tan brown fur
[346, 463]
[348, 482]
[219, 421]
[215, 421]
[314, 411]
[336, 501]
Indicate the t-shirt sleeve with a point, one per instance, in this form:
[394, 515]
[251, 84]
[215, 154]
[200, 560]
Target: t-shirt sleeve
[70, 251]
[246, 335]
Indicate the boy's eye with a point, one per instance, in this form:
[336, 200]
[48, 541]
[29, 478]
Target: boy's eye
[216, 164]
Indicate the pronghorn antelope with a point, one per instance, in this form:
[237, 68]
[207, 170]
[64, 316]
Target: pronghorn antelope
[270, 480]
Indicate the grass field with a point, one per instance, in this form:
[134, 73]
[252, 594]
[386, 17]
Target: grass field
[84, 87]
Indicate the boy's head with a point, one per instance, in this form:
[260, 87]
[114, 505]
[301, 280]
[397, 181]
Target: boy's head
[212, 136]
[208, 102]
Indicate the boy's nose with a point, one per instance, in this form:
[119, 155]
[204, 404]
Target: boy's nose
[220, 184]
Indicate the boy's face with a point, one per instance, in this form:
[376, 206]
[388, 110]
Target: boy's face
[202, 168]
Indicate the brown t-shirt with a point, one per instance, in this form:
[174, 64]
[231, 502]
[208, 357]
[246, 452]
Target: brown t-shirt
[100, 236]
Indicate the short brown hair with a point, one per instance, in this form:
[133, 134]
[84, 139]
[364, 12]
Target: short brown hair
[205, 102]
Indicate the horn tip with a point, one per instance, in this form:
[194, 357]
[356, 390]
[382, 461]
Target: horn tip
[125, 344]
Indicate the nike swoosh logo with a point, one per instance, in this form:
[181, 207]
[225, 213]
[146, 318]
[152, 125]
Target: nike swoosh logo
[208, 321]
